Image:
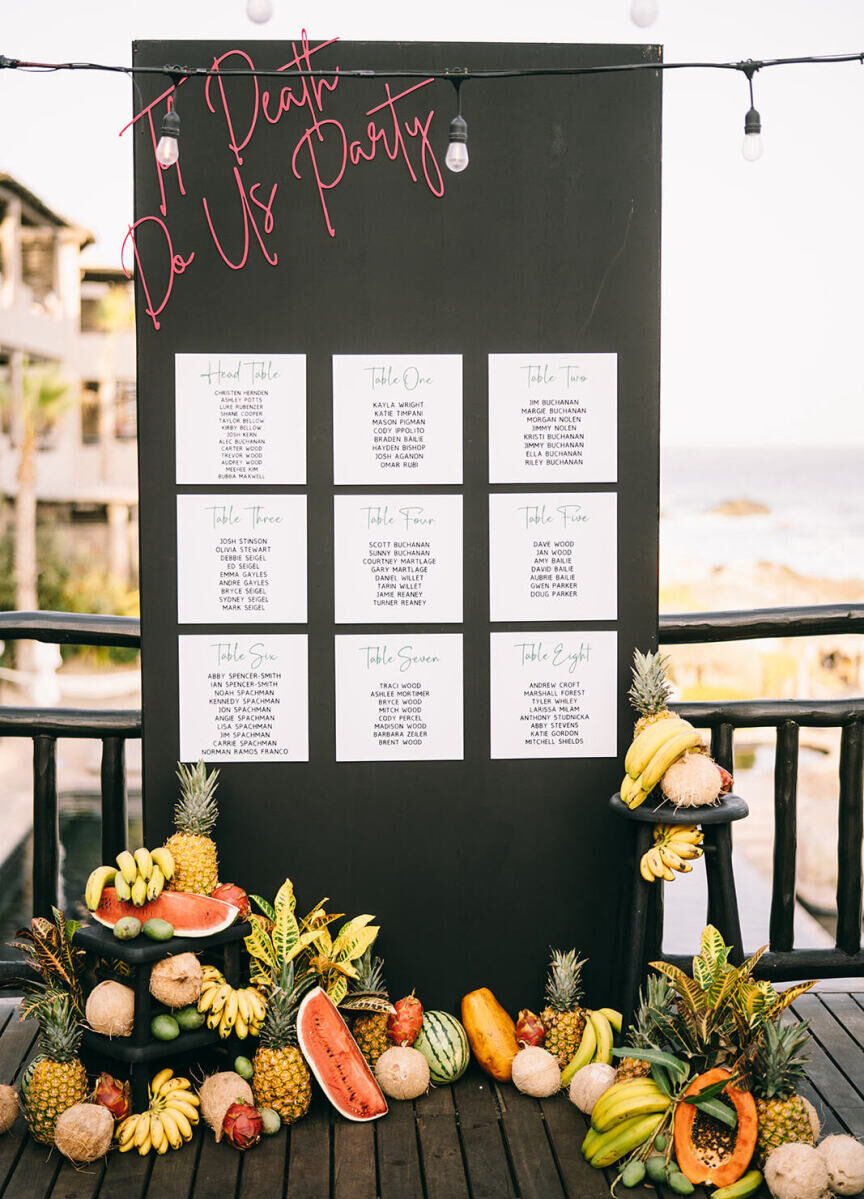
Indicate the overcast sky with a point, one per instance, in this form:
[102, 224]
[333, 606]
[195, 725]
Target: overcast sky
[763, 263]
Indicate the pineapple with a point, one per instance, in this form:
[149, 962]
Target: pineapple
[650, 690]
[196, 867]
[57, 1079]
[370, 1028]
[783, 1114]
[655, 1004]
[564, 1019]
[280, 1077]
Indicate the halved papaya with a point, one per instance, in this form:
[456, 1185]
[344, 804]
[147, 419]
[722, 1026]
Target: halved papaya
[717, 1164]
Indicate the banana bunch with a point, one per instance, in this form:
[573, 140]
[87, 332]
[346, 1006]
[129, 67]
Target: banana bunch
[137, 877]
[652, 753]
[168, 1121]
[596, 1042]
[674, 846]
[234, 1010]
[625, 1116]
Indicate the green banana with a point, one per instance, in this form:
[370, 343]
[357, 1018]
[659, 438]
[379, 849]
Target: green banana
[122, 888]
[629, 1087]
[668, 753]
[96, 883]
[128, 866]
[583, 1055]
[623, 1139]
[590, 1144]
[636, 1101]
[614, 1017]
[144, 862]
[163, 859]
[747, 1185]
[139, 892]
[645, 746]
[603, 1032]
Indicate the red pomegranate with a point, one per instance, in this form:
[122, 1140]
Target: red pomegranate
[242, 1125]
[113, 1094]
[726, 785]
[404, 1024]
[236, 896]
[530, 1029]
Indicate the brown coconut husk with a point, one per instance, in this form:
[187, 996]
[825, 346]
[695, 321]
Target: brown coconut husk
[177, 981]
[111, 1009]
[9, 1107]
[84, 1132]
[218, 1092]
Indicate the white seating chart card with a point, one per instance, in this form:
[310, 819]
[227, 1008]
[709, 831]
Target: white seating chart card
[241, 559]
[399, 697]
[553, 556]
[553, 694]
[397, 418]
[244, 698]
[553, 418]
[398, 558]
[241, 418]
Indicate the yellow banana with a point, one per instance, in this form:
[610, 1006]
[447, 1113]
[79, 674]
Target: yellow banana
[658, 866]
[683, 832]
[583, 1055]
[645, 869]
[208, 993]
[213, 1019]
[669, 752]
[603, 1032]
[221, 998]
[627, 1108]
[209, 971]
[177, 1084]
[142, 1132]
[163, 859]
[645, 746]
[128, 866]
[144, 862]
[257, 1003]
[125, 1134]
[614, 1017]
[189, 1110]
[96, 883]
[244, 1007]
[686, 852]
[672, 860]
[139, 892]
[241, 1028]
[156, 883]
[637, 798]
[122, 888]
[160, 1080]
[627, 1086]
[172, 1132]
[229, 1015]
[182, 1122]
[632, 1134]
[627, 788]
[157, 1132]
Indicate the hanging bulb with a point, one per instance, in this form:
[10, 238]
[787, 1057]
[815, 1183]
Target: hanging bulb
[752, 147]
[168, 149]
[457, 152]
[259, 11]
[644, 12]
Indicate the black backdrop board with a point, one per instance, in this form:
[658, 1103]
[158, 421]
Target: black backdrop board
[547, 244]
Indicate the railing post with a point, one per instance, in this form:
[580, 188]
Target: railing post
[782, 925]
[114, 811]
[46, 826]
[850, 829]
[723, 746]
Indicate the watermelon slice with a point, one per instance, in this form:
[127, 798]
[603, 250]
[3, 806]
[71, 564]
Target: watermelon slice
[336, 1060]
[190, 915]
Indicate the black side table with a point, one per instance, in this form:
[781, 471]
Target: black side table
[139, 1051]
[642, 927]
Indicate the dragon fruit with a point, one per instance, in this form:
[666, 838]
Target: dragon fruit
[113, 1094]
[530, 1029]
[236, 896]
[404, 1023]
[242, 1125]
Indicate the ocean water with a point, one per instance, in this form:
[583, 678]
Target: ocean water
[814, 524]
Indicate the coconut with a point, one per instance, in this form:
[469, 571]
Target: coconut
[844, 1160]
[402, 1073]
[84, 1132]
[111, 1009]
[589, 1083]
[692, 782]
[796, 1171]
[9, 1108]
[218, 1093]
[177, 981]
[536, 1072]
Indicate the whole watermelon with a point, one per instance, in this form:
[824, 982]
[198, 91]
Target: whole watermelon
[444, 1043]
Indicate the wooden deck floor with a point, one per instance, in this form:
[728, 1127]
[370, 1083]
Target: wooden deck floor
[474, 1140]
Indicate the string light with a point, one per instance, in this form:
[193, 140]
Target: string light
[644, 12]
[168, 148]
[259, 11]
[752, 145]
[456, 158]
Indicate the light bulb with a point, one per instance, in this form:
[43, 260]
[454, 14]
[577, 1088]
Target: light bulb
[457, 152]
[259, 11]
[752, 147]
[167, 151]
[644, 12]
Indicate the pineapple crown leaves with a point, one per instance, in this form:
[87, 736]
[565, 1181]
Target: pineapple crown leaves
[368, 991]
[654, 1016]
[650, 689]
[564, 985]
[195, 811]
[60, 1028]
[779, 1063]
[48, 949]
[280, 1022]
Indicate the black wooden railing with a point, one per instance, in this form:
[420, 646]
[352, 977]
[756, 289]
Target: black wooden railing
[783, 961]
